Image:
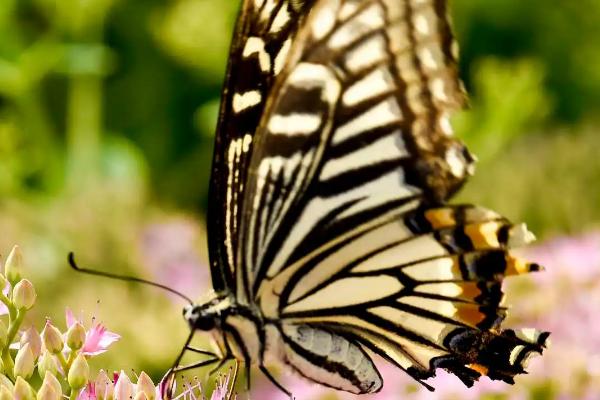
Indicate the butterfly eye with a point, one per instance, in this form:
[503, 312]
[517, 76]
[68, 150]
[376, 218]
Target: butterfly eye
[199, 318]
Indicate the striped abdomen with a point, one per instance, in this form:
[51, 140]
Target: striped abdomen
[330, 359]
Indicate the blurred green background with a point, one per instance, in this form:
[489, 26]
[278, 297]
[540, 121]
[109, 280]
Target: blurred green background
[107, 116]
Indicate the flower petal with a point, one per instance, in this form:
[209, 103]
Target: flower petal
[98, 339]
[70, 317]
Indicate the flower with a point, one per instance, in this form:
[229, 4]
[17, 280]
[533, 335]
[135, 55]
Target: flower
[52, 338]
[23, 390]
[24, 362]
[124, 389]
[76, 336]
[24, 295]
[51, 389]
[146, 386]
[221, 391]
[79, 373]
[34, 339]
[88, 392]
[14, 265]
[103, 386]
[5, 393]
[47, 364]
[97, 339]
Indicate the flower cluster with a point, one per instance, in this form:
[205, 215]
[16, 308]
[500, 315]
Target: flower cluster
[61, 358]
[120, 388]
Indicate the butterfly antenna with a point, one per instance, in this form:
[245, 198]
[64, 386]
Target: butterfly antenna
[76, 267]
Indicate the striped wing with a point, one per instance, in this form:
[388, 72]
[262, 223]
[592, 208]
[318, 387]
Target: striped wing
[264, 33]
[356, 127]
[422, 289]
[344, 229]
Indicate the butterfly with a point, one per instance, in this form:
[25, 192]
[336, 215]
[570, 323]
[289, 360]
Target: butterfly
[331, 238]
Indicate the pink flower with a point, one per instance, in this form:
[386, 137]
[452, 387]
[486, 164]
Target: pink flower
[221, 390]
[88, 392]
[97, 338]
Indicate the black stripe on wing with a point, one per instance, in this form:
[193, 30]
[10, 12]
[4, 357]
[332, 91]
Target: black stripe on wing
[360, 118]
[425, 309]
[263, 35]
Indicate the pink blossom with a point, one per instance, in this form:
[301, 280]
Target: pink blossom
[97, 338]
[222, 389]
[88, 392]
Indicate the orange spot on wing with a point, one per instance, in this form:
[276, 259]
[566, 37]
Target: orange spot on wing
[483, 236]
[516, 265]
[469, 290]
[483, 370]
[440, 217]
[469, 314]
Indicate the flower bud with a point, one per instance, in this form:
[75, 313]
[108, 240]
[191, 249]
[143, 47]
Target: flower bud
[24, 362]
[79, 374]
[47, 392]
[13, 265]
[123, 388]
[104, 386]
[52, 383]
[22, 390]
[140, 396]
[34, 339]
[145, 385]
[5, 393]
[76, 336]
[3, 282]
[24, 295]
[47, 364]
[52, 338]
[5, 382]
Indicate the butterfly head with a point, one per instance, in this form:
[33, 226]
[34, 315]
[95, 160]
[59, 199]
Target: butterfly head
[206, 316]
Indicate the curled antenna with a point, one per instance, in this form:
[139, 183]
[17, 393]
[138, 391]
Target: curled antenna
[76, 267]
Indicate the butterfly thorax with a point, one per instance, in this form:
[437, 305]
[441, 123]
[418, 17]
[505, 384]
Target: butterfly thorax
[235, 328]
[214, 312]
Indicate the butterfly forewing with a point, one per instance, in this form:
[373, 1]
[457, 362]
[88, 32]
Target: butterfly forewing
[264, 33]
[358, 127]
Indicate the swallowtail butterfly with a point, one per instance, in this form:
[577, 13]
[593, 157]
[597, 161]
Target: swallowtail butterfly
[330, 235]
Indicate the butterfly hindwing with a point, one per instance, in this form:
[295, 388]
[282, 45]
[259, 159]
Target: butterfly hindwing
[422, 289]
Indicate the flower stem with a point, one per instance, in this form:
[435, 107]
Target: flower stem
[15, 320]
[63, 363]
[14, 324]
[9, 365]
[12, 311]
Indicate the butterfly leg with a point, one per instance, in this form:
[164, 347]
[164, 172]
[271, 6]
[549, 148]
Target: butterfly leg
[200, 351]
[199, 364]
[219, 365]
[266, 372]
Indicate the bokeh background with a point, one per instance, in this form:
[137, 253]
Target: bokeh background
[107, 116]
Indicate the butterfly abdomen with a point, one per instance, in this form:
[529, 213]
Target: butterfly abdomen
[330, 359]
